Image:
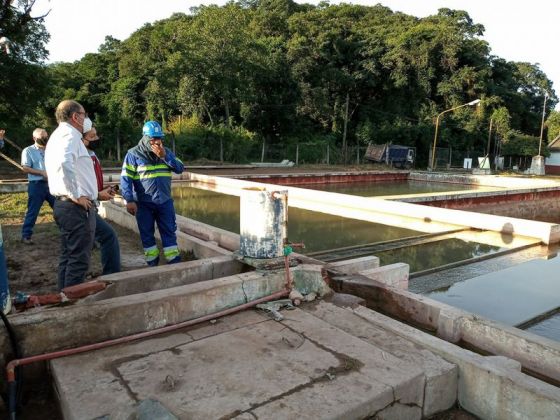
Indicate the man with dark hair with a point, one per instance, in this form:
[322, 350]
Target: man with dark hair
[33, 163]
[72, 181]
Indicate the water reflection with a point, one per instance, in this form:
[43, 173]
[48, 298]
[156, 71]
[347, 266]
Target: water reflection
[376, 189]
[549, 328]
[435, 254]
[512, 296]
[318, 231]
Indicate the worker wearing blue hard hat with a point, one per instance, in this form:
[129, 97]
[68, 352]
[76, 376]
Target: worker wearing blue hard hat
[146, 187]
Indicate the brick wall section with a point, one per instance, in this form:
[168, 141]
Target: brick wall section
[538, 205]
[299, 179]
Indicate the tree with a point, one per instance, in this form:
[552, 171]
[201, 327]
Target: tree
[553, 126]
[23, 81]
[225, 57]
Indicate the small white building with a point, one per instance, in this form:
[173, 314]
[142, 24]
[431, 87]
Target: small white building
[552, 163]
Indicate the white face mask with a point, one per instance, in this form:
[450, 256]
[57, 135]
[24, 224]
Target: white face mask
[87, 125]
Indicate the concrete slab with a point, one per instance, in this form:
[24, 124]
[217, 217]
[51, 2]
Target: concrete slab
[111, 393]
[488, 388]
[223, 238]
[538, 354]
[355, 265]
[167, 276]
[300, 368]
[394, 275]
[441, 376]
[72, 326]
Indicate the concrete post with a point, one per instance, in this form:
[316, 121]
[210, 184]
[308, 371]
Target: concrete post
[263, 223]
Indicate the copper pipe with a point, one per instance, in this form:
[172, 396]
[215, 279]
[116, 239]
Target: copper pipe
[10, 367]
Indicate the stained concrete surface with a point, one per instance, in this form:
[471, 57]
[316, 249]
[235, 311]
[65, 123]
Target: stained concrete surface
[245, 365]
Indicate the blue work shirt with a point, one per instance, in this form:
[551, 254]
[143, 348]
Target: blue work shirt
[149, 182]
[34, 157]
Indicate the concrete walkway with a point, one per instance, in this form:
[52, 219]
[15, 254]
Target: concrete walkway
[320, 362]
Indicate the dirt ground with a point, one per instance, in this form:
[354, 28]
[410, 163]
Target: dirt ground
[32, 269]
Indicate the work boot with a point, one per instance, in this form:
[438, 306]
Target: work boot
[153, 263]
[175, 260]
[27, 241]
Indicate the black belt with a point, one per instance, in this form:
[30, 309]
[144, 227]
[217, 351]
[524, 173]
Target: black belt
[94, 203]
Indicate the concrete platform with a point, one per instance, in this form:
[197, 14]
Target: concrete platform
[248, 366]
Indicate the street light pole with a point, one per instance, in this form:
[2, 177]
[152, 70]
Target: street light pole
[471, 103]
[542, 122]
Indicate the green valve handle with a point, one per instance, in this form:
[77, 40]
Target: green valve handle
[287, 250]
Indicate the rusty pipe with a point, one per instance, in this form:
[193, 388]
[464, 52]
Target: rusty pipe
[289, 282]
[10, 367]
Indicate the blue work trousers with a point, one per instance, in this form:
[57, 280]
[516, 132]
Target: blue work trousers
[149, 214]
[37, 193]
[107, 238]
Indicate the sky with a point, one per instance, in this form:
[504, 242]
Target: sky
[517, 30]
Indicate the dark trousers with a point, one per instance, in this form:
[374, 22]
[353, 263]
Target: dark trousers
[5, 303]
[77, 230]
[37, 193]
[107, 238]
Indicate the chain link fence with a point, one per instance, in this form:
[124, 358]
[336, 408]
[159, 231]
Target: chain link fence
[308, 153]
[451, 158]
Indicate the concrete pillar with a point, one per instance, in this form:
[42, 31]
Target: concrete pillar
[263, 223]
[537, 165]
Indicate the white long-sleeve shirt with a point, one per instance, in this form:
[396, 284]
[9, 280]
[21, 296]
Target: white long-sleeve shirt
[69, 167]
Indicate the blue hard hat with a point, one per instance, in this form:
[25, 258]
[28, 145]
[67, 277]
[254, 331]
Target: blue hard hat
[152, 129]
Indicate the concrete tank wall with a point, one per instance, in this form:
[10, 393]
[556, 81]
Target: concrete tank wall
[539, 205]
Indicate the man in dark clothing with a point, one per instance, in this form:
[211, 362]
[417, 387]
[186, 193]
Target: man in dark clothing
[105, 235]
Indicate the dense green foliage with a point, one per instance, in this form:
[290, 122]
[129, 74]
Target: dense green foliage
[23, 80]
[223, 80]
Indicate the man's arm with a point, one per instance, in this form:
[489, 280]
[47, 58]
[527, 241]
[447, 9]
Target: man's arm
[29, 170]
[68, 166]
[128, 174]
[173, 162]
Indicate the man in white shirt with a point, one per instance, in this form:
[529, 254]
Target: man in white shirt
[72, 181]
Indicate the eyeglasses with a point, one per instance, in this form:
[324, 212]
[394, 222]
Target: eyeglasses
[82, 113]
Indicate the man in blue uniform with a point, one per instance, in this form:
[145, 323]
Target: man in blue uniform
[146, 187]
[33, 163]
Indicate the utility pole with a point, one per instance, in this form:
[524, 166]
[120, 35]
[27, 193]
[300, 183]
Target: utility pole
[344, 144]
